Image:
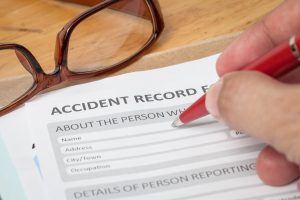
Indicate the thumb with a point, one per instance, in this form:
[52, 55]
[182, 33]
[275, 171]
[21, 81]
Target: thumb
[256, 104]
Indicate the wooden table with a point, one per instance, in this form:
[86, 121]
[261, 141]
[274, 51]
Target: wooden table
[194, 28]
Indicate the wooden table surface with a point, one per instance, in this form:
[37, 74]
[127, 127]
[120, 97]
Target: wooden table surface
[34, 24]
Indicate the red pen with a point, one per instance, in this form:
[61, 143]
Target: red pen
[280, 60]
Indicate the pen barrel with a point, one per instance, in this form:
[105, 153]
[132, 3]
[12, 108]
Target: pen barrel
[195, 111]
[279, 61]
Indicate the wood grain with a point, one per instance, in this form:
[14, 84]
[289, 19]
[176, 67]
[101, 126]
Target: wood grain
[194, 28]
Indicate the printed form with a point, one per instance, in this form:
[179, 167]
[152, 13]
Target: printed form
[112, 139]
[19, 172]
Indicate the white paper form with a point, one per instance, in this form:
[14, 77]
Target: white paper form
[18, 161]
[112, 139]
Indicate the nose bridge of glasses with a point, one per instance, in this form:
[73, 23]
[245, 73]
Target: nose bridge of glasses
[51, 80]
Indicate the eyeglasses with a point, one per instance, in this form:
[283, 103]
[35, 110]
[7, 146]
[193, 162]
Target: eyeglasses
[86, 47]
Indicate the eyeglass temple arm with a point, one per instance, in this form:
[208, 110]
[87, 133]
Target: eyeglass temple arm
[130, 8]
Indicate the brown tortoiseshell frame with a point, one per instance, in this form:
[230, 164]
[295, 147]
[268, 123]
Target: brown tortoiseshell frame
[61, 73]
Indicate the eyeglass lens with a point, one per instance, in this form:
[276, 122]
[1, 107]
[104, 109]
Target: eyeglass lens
[110, 36]
[15, 79]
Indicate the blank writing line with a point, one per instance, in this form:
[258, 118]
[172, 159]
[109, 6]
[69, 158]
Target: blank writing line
[152, 154]
[172, 163]
[218, 191]
[160, 132]
[151, 143]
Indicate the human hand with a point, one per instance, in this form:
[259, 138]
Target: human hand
[259, 105]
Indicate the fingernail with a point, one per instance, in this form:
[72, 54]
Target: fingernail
[212, 97]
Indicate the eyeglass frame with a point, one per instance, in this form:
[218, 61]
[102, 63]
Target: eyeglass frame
[61, 73]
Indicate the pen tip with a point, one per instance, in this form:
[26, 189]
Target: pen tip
[177, 122]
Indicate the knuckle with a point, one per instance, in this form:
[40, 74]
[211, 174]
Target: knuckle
[243, 96]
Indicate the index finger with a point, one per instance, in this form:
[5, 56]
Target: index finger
[271, 30]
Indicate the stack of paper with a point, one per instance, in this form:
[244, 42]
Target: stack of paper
[112, 139]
